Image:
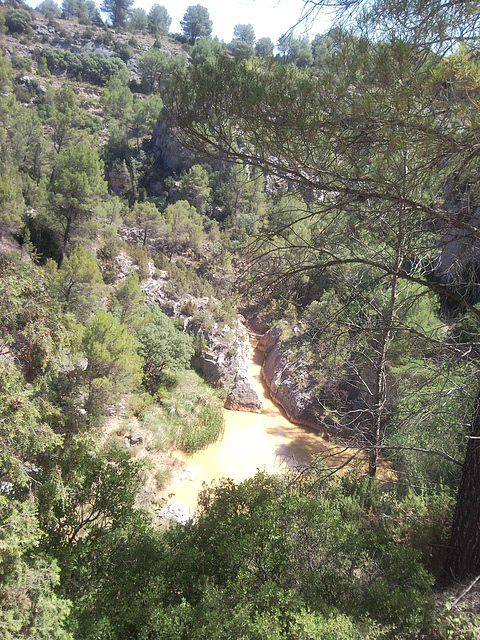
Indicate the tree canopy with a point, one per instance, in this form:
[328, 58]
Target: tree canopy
[196, 23]
[118, 11]
[374, 137]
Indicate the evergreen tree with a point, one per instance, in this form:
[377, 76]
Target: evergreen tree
[244, 33]
[138, 20]
[264, 47]
[357, 139]
[118, 11]
[159, 20]
[162, 347]
[196, 23]
[76, 180]
[113, 366]
[49, 8]
[151, 66]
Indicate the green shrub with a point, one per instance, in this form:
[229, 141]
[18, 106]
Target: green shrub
[140, 257]
[92, 67]
[18, 21]
[161, 261]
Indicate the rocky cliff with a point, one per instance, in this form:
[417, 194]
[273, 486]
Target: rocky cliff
[225, 354]
[290, 383]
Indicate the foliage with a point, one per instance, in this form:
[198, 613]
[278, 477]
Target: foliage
[88, 495]
[91, 67]
[152, 65]
[264, 47]
[24, 431]
[189, 417]
[18, 20]
[78, 283]
[244, 33]
[295, 50]
[76, 181]
[194, 187]
[118, 11]
[183, 228]
[294, 551]
[196, 23]
[85, 10]
[49, 8]
[138, 20]
[117, 97]
[129, 299]
[162, 347]
[28, 580]
[113, 365]
[33, 332]
[140, 257]
[159, 20]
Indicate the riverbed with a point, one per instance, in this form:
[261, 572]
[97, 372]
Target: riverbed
[265, 441]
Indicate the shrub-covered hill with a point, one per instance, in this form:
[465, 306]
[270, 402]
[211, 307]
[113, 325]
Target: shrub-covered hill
[98, 237]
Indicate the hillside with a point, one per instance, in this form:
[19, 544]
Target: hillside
[153, 186]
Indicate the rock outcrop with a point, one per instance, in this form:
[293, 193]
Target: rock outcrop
[291, 386]
[225, 356]
[243, 396]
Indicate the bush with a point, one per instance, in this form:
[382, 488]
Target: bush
[92, 67]
[140, 257]
[18, 21]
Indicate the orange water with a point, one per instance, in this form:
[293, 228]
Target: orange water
[265, 441]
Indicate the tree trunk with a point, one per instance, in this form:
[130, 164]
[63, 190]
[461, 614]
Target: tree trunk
[377, 430]
[463, 557]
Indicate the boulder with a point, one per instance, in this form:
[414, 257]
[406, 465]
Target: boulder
[243, 396]
[134, 439]
[176, 511]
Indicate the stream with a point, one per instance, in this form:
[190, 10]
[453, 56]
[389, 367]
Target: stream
[265, 441]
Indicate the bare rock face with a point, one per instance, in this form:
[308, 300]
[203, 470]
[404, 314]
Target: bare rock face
[290, 384]
[168, 150]
[243, 396]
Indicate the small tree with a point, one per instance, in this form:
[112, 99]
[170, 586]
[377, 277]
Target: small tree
[113, 366]
[77, 178]
[159, 20]
[79, 283]
[194, 187]
[138, 20]
[264, 47]
[49, 8]
[296, 50]
[128, 300]
[244, 33]
[184, 228]
[148, 218]
[118, 11]
[151, 67]
[18, 21]
[162, 346]
[196, 23]
[143, 117]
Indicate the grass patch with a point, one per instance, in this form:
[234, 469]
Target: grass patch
[190, 416]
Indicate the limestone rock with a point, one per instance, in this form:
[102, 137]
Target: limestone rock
[134, 439]
[290, 385]
[243, 396]
[175, 511]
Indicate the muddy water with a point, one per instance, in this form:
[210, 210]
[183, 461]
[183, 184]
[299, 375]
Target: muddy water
[267, 441]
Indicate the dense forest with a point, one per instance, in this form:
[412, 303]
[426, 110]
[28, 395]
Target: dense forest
[152, 186]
